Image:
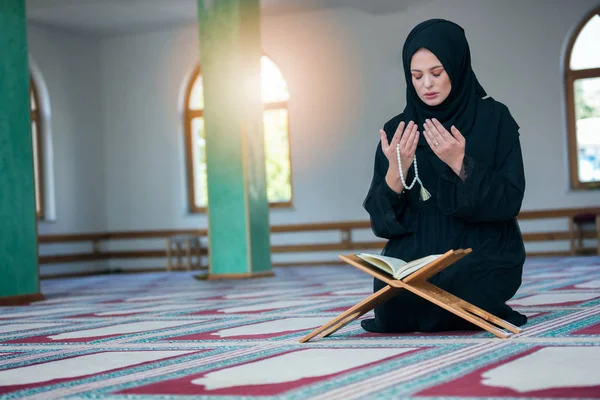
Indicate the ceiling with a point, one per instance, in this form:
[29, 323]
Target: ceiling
[107, 17]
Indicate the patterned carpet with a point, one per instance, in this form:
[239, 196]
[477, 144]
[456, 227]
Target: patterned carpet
[169, 336]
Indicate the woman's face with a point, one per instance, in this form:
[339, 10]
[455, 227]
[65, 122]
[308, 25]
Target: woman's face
[429, 77]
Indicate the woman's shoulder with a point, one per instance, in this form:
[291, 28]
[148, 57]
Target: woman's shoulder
[494, 110]
[494, 106]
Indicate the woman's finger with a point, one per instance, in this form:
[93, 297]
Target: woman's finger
[406, 134]
[416, 142]
[441, 130]
[434, 130]
[434, 135]
[384, 141]
[413, 133]
[430, 141]
[397, 134]
[457, 134]
[413, 144]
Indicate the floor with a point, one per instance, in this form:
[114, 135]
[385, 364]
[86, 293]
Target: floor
[170, 336]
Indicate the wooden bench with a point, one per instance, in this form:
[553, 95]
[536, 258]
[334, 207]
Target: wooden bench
[576, 226]
[188, 245]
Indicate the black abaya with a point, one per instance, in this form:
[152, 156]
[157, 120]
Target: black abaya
[477, 213]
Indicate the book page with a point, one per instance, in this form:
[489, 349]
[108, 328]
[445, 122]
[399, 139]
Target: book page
[388, 264]
[396, 267]
[416, 265]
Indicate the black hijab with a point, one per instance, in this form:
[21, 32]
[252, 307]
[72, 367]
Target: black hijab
[447, 41]
[486, 124]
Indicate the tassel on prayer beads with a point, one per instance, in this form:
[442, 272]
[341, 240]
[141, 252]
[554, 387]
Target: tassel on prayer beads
[425, 195]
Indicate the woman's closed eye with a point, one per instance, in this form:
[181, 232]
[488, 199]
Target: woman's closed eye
[417, 77]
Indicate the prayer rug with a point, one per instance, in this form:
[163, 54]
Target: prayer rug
[169, 336]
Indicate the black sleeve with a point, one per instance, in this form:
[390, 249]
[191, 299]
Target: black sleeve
[387, 209]
[486, 194]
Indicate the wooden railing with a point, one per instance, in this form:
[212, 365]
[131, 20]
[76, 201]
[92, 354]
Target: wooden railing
[96, 239]
[345, 242]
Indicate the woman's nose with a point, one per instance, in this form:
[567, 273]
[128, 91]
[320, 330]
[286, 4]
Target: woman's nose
[428, 82]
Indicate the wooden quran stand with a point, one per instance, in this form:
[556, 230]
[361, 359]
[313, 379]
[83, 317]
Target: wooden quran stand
[416, 283]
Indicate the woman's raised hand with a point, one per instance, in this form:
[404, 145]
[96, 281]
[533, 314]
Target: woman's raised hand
[449, 147]
[407, 139]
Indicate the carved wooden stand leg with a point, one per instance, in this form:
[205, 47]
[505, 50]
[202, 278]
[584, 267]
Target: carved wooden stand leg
[461, 308]
[353, 313]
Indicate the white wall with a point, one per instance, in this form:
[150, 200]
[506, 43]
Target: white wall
[344, 73]
[143, 144]
[69, 65]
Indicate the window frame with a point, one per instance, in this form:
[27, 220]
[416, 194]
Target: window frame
[570, 76]
[190, 115]
[35, 115]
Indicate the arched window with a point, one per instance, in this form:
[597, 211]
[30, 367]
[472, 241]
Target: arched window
[582, 89]
[36, 132]
[275, 98]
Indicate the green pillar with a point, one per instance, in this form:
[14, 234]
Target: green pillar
[238, 211]
[19, 274]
